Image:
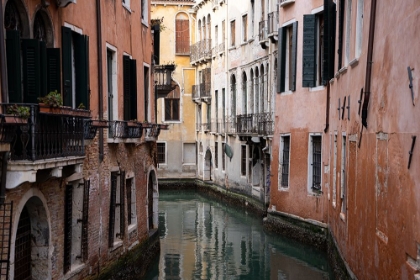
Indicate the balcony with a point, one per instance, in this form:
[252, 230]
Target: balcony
[273, 20]
[196, 94]
[163, 80]
[124, 131]
[260, 124]
[201, 51]
[221, 48]
[152, 132]
[50, 141]
[230, 125]
[262, 34]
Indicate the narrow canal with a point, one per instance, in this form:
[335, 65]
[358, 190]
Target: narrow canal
[205, 239]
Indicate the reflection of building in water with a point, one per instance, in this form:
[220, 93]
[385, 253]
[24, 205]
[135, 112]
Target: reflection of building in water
[209, 242]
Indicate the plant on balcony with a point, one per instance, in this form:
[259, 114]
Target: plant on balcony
[171, 65]
[159, 23]
[52, 99]
[22, 112]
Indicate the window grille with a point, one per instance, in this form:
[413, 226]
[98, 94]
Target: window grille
[161, 149]
[6, 213]
[243, 160]
[285, 162]
[128, 185]
[216, 154]
[316, 162]
[114, 177]
[122, 204]
[223, 157]
[85, 247]
[68, 227]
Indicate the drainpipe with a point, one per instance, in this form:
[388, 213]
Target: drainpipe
[369, 63]
[3, 65]
[100, 77]
[5, 156]
[327, 109]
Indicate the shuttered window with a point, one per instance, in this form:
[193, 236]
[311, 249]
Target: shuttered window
[286, 79]
[232, 33]
[329, 40]
[130, 88]
[75, 60]
[342, 5]
[113, 201]
[13, 66]
[172, 102]
[182, 36]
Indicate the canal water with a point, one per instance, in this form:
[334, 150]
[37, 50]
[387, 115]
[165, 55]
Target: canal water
[206, 239]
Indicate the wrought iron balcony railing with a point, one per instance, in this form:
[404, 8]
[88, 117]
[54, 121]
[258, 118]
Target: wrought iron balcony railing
[263, 30]
[201, 51]
[230, 125]
[152, 132]
[125, 129]
[45, 135]
[163, 79]
[273, 21]
[257, 124]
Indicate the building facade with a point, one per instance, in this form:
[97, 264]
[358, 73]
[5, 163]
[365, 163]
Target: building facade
[344, 145]
[79, 185]
[176, 147]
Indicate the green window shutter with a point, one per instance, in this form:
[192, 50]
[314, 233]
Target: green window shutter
[31, 70]
[329, 41]
[43, 67]
[66, 38]
[81, 66]
[309, 51]
[281, 60]
[292, 87]
[53, 70]
[14, 75]
[126, 85]
[133, 89]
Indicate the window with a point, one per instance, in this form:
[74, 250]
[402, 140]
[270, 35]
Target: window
[111, 63]
[76, 223]
[131, 201]
[359, 28]
[189, 153]
[161, 153]
[313, 50]
[182, 34]
[223, 156]
[223, 108]
[216, 37]
[223, 31]
[243, 160]
[341, 11]
[244, 94]
[329, 40]
[232, 33]
[216, 154]
[130, 88]
[284, 161]
[144, 11]
[198, 117]
[117, 207]
[233, 98]
[334, 188]
[172, 105]
[208, 116]
[315, 162]
[343, 174]
[244, 28]
[252, 17]
[216, 109]
[287, 58]
[348, 31]
[146, 93]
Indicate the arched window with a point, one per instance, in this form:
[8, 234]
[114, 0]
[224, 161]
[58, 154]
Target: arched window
[262, 90]
[256, 91]
[15, 18]
[203, 29]
[251, 91]
[43, 29]
[244, 94]
[199, 30]
[208, 27]
[182, 34]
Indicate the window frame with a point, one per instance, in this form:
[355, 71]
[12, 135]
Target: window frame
[282, 161]
[287, 57]
[343, 183]
[159, 153]
[232, 33]
[244, 28]
[244, 160]
[311, 163]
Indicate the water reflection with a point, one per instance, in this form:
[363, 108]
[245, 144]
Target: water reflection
[204, 239]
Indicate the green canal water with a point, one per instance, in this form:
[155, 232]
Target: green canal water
[206, 239]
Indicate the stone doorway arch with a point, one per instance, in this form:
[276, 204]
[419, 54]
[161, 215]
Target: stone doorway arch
[30, 252]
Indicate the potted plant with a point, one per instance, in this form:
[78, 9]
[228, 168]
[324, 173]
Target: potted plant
[17, 114]
[52, 99]
[146, 124]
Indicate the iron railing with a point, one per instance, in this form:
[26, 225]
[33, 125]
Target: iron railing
[201, 50]
[163, 79]
[230, 125]
[258, 124]
[125, 129]
[152, 132]
[46, 135]
[263, 30]
[273, 20]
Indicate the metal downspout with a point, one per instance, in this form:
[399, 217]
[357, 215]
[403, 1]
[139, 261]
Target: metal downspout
[327, 109]
[3, 65]
[100, 77]
[369, 63]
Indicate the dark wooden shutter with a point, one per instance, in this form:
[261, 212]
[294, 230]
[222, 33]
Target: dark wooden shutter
[122, 204]
[66, 34]
[113, 198]
[31, 70]
[292, 87]
[133, 89]
[14, 74]
[43, 68]
[168, 115]
[82, 69]
[309, 51]
[182, 36]
[53, 70]
[329, 41]
[340, 33]
[85, 220]
[175, 105]
[281, 60]
[127, 84]
[68, 208]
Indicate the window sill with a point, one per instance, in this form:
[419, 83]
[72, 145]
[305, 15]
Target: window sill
[317, 88]
[286, 92]
[132, 227]
[183, 54]
[232, 48]
[342, 70]
[343, 217]
[244, 43]
[145, 23]
[127, 8]
[283, 189]
[74, 270]
[116, 245]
